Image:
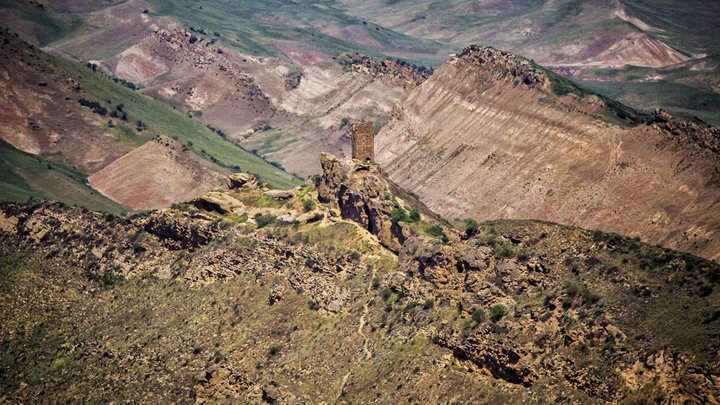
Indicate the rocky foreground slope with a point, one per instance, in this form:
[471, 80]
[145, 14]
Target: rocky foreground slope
[344, 293]
[492, 135]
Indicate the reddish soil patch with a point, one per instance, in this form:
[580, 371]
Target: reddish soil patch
[156, 175]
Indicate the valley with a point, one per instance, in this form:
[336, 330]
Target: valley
[331, 201]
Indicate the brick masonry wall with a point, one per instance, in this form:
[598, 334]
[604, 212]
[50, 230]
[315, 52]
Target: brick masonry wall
[363, 141]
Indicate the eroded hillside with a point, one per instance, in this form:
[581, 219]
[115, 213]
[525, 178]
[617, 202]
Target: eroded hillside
[75, 116]
[255, 295]
[491, 135]
[285, 111]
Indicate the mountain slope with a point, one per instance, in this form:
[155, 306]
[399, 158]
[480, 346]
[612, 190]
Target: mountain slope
[284, 111]
[489, 135]
[25, 177]
[76, 116]
[267, 302]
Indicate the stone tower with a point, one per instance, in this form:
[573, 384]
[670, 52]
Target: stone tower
[363, 141]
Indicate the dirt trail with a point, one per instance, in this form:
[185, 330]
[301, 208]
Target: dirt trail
[366, 309]
[363, 317]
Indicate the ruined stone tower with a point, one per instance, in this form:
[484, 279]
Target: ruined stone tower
[363, 141]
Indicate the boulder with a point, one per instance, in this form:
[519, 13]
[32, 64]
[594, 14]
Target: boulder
[282, 194]
[218, 202]
[241, 180]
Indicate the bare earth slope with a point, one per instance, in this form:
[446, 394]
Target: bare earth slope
[476, 140]
[41, 111]
[238, 94]
[155, 175]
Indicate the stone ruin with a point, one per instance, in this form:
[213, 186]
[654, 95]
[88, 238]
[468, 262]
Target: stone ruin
[363, 141]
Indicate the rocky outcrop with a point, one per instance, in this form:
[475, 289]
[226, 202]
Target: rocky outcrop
[241, 181]
[178, 232]
[705, 136]
[282, 194]
[218, 202]
[503, 66]
[393, 69]
[362, 195]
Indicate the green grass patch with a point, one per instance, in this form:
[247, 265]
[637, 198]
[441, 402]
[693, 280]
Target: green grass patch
[24, 176]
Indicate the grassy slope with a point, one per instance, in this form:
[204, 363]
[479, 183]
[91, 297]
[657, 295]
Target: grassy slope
[53, 27]
[689, 24]
[24, 176]
[258, 27]
[162, 119]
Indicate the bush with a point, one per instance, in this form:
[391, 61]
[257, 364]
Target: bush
[478, 316]
[471, 227]
[410, 306]
[398, 214]
[264, 220]
[414, 215]
[428, 304]
[503, 251]
[344, 122]
[435, 230]
[308, 205]
[386, 293]
[497, 311]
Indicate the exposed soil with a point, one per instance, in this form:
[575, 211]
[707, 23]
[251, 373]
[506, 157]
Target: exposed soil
[155, 175]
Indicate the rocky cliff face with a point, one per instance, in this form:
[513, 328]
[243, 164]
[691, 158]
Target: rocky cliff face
[489, 136]
[363, 196]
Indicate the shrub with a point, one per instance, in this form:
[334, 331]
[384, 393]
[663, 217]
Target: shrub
[398, 214]
[308, 205]
[497, 311]
[274, 350]
[435, 230]
[264, 220]
[344, 121]
[478, 315]
[428, 304]
[471, 227]
[386, 293]
[503, 250]
[410, 306]
[486, 240]
[414, 215]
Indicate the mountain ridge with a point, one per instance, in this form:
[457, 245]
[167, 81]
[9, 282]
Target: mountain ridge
[471, 142]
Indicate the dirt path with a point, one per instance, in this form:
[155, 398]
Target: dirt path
[366, 310]
[363, 318]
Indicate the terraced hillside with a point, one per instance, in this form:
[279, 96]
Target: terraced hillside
[191, 305]
[491, 135]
